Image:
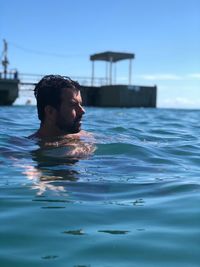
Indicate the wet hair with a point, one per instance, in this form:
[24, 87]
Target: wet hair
[48, 92]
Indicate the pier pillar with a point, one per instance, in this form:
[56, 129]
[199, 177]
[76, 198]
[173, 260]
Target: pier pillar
[106, 73]
[111, 70]
[92, 80]
[130, 71]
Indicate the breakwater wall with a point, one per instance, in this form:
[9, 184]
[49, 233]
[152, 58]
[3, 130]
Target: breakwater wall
[8, 91]
[119, 96]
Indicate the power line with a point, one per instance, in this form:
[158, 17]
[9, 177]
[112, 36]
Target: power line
[43, 53]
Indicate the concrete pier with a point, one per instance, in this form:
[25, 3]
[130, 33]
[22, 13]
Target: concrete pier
[119, 96]
[116, 95]
[8, 91]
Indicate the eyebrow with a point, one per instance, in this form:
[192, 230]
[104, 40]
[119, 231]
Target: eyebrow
[76, 101]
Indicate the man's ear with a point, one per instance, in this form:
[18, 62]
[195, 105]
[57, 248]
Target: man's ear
[50, 113]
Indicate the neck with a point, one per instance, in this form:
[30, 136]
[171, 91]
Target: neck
[49, 131]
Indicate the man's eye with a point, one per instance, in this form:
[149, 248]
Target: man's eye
[74, 104]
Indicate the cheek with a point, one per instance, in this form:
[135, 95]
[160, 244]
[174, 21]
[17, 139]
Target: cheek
[73, 113]
[69, 114]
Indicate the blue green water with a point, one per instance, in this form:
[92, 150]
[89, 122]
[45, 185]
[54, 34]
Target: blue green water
[133, 202]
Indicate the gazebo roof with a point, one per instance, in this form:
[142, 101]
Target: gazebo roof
[111, 56]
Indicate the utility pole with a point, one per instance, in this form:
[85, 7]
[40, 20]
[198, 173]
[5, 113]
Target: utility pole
[5, 61]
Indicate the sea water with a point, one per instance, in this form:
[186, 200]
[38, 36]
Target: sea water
[134, 201]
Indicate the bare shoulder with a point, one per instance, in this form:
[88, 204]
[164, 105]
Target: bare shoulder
[78, 145]
[80, 135]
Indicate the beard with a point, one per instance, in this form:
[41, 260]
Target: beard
[69, 127]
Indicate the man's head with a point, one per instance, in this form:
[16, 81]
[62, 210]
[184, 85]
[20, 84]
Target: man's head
[59, 103]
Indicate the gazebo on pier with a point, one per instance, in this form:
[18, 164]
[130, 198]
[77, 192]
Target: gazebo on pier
[111, 57]
[117, 95]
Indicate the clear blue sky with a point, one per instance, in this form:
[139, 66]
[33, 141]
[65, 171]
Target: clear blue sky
[164, 35]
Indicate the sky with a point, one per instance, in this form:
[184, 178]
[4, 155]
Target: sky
[58, 37]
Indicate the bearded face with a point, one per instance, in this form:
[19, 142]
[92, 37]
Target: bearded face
[68, 118]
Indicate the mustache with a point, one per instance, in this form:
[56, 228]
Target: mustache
[78, 118]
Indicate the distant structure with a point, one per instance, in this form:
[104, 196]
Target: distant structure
[108, 94]
[117, 95]
[111, 57]
[9, 82]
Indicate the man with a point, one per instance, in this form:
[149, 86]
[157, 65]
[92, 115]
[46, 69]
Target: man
[60, 111]
[59, 106]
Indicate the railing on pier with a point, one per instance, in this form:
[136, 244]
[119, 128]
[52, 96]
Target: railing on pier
[27, 79]
[9, 75]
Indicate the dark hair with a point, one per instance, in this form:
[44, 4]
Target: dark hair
[48, 92]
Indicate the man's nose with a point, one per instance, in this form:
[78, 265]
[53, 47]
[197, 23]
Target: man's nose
[81, 110]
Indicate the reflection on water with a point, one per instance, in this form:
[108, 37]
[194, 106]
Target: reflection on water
[74, 232]
[114, 232]
[54, 161]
